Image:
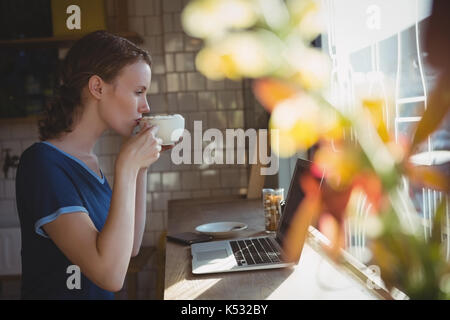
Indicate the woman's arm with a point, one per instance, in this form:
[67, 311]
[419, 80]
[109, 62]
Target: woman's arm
[104, 256]
[141, 204]
[141, 210]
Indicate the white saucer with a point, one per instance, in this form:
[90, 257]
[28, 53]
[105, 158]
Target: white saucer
[222, 229]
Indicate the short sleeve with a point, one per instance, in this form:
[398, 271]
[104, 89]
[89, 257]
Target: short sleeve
[44, 190]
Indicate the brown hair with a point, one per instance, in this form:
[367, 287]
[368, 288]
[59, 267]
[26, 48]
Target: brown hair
[98, 53]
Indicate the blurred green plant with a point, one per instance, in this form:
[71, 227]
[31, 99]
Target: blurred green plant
[270, 41]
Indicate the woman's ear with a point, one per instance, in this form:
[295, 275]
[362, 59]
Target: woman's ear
[96, 86]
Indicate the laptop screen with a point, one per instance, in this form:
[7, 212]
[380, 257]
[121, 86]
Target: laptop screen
[294, 196]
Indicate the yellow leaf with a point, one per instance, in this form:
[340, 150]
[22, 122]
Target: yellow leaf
[304, 215]
[437, 108]
[375, 107]
[426, 176]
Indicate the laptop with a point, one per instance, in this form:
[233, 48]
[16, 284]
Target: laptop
[262, 252]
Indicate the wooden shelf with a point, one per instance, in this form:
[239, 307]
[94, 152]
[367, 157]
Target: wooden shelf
[60, 41]
[29, 119]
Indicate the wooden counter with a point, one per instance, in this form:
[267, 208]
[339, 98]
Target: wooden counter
[315, 277]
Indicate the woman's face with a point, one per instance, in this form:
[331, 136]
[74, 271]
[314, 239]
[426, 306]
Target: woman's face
[125, 99]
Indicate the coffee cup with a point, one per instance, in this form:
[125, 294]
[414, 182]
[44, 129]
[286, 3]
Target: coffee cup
[170, 126]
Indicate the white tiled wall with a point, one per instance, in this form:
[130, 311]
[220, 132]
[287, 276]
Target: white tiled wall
[16, 137]
[181, 88]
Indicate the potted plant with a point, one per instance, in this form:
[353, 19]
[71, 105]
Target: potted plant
[270, 42]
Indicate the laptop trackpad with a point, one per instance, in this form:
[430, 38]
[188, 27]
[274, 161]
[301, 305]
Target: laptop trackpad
[212, 254]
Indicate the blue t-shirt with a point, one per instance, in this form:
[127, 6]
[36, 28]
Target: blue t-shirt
[50, 183]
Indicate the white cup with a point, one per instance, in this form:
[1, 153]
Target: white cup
[170, 126]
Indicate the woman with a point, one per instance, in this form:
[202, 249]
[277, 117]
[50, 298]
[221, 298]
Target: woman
[71, 220]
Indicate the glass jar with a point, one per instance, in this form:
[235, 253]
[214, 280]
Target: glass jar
[272, 199]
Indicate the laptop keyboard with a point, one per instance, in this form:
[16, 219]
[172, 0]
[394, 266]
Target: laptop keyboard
[255, 251]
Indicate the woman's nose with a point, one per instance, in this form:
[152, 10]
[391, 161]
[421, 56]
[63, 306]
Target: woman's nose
[144, 108]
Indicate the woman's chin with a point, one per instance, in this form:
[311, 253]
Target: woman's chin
[127, 133]
[123, 132]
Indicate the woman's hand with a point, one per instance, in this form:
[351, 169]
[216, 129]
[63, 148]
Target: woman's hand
[140, 150]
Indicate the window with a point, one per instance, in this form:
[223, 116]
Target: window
[376, 50]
